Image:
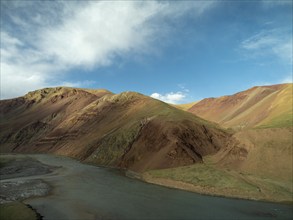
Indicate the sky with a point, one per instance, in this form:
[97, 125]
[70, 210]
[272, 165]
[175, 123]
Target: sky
[175, 51]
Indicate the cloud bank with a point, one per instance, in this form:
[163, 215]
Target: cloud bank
[43, 41]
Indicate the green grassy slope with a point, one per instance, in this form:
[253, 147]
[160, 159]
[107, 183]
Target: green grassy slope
[215, 180]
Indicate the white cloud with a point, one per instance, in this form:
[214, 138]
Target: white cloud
[21, 70]
[274, 42]
[99, 32]
[42, 41]
[172, 97]
[17, 80]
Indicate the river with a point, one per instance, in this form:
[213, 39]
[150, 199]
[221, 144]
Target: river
[82, 191]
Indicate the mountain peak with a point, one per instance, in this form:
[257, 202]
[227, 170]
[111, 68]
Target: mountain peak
[41, 94]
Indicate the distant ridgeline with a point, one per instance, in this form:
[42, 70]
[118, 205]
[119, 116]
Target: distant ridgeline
[258, 107]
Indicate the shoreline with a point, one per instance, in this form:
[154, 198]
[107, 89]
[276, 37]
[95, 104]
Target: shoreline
[208, 191]
[169, 183]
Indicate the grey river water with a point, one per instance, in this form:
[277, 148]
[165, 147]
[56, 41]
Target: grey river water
[83, 192]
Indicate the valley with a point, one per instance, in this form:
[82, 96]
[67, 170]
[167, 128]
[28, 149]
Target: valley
[156, 142]
[152, 110]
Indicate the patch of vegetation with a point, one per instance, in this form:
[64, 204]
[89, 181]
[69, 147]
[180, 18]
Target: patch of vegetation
[205, 176]
[226, 182]
[281, 121]
[17, 211]
[114, 145]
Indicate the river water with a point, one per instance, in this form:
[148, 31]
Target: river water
[82, 191]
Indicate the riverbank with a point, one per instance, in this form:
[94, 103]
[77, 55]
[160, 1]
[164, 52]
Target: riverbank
[198, 178]
[81, 191]
[19, 181]
[208, 180]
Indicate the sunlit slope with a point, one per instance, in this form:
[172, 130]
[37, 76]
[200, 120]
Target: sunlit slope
[281, 111]
[123, 130]
[263, 106]
[185, 106]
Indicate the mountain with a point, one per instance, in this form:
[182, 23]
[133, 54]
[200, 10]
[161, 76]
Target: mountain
[258, 107]
[258, 165]
[164, 144]
[127, 130]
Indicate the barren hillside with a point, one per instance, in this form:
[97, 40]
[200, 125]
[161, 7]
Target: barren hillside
[261, 106]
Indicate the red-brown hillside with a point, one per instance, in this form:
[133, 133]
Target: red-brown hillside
[261, 106]
[127, 130]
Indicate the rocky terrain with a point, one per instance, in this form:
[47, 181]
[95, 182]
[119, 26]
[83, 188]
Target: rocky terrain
[20, 180]
[15, 188]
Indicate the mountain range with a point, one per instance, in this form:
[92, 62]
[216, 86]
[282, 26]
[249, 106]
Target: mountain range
[126, 130]
[247, 137]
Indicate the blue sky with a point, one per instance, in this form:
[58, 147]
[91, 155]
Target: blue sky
[175, 51]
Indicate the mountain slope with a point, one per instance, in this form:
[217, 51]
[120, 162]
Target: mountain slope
[257, 164]
[262, 106]
[185, 106]
[123, 130]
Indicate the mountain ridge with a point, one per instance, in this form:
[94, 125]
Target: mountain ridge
[128, 130]
[256, 107]
[163, 144]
